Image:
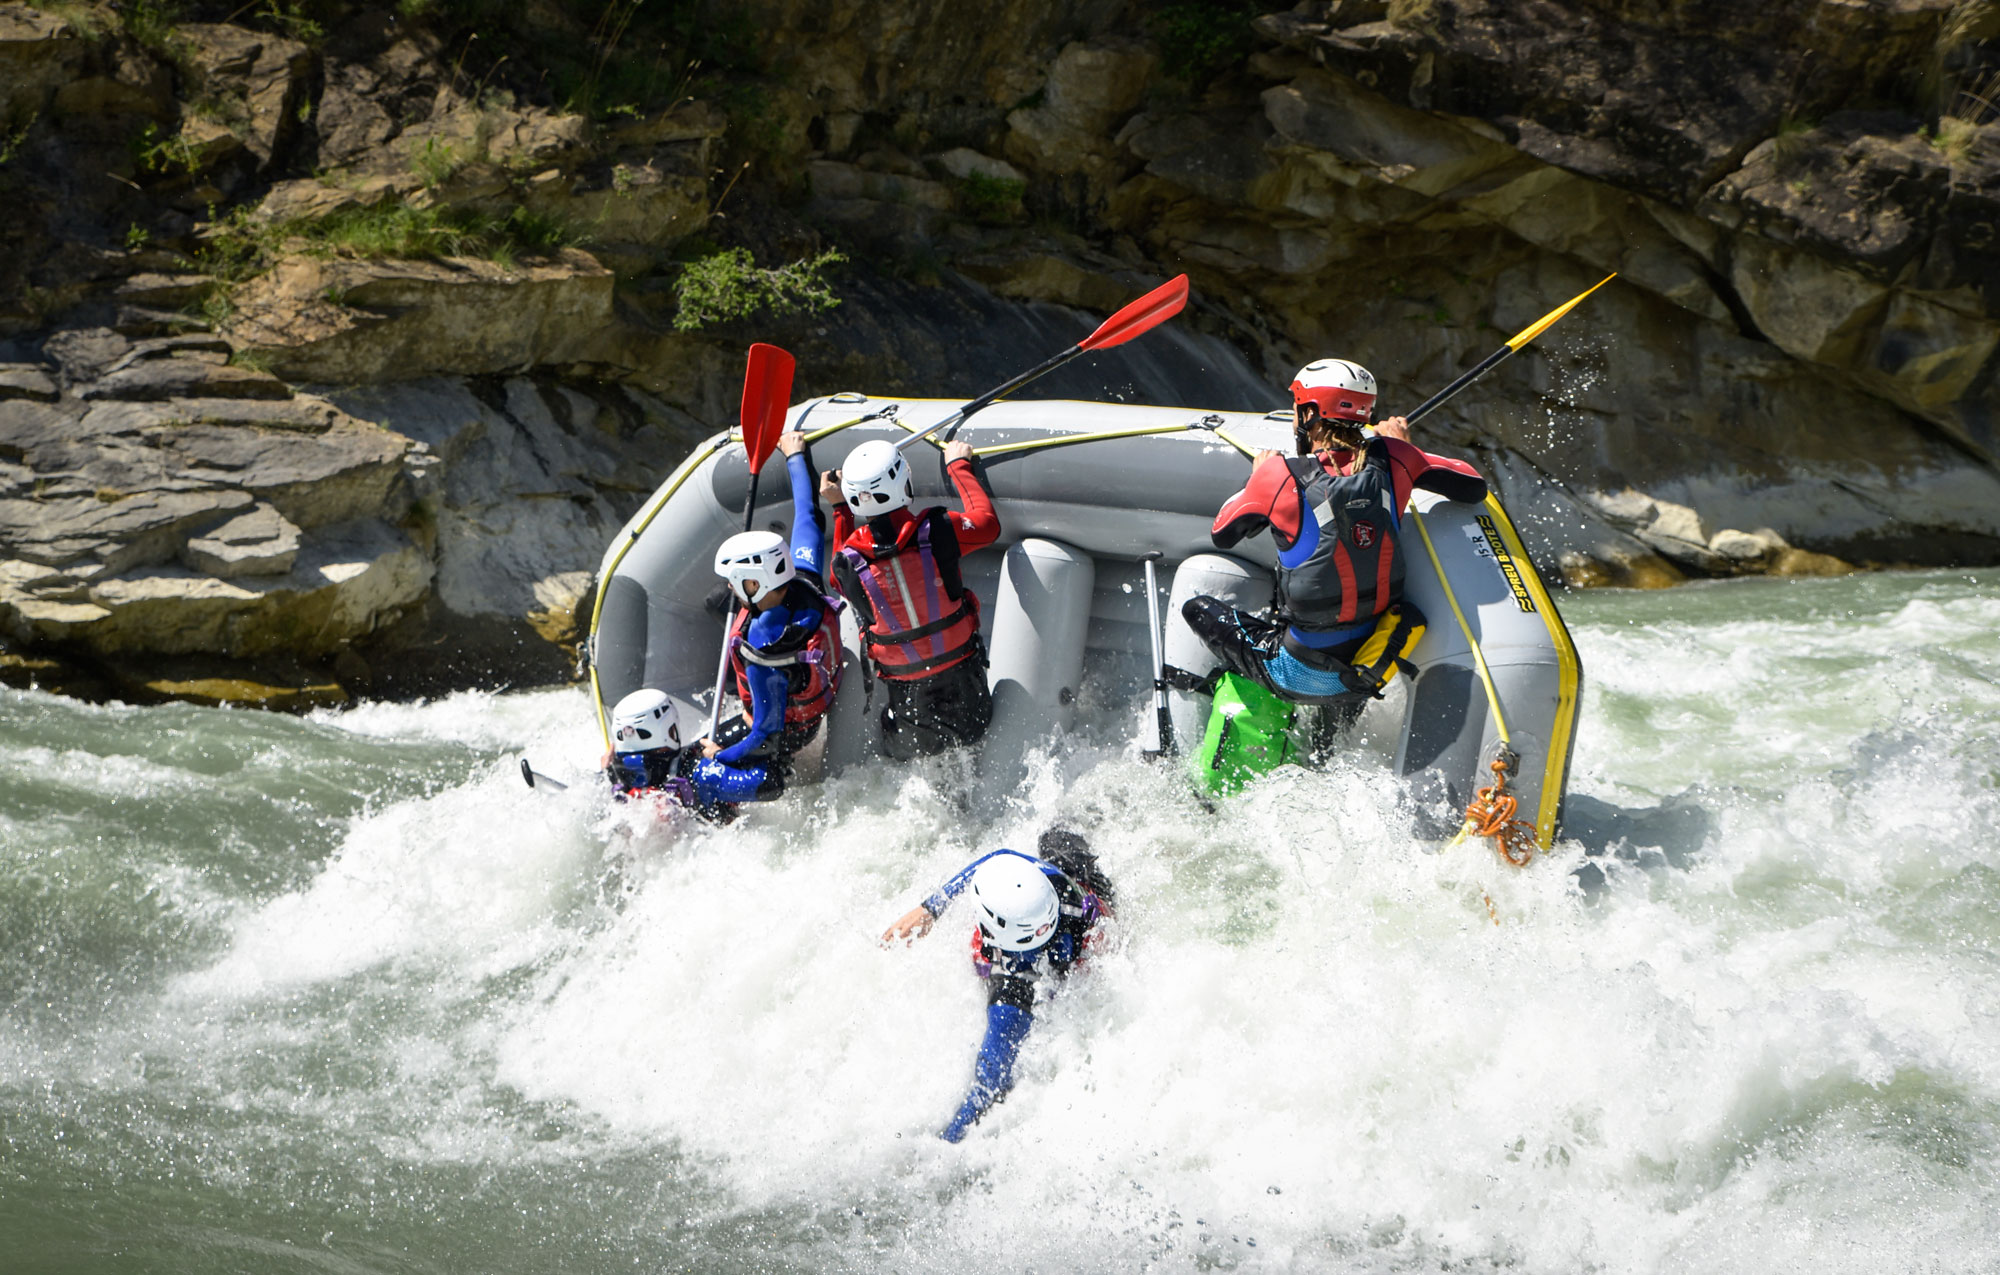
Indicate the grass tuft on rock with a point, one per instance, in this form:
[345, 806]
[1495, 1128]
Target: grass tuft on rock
[729, 285]
[240, 247]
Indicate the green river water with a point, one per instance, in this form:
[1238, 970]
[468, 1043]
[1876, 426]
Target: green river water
[339, 994]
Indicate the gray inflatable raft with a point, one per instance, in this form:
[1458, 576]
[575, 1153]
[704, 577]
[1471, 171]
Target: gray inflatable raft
[1083, 490]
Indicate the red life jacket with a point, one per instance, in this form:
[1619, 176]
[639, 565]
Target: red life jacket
[917, 630]
[812, 668]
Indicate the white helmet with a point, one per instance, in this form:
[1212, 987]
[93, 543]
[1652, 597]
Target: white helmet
[643, 721]
[1343, 391]
[1018, 908]
[762, 556]
[875, 479]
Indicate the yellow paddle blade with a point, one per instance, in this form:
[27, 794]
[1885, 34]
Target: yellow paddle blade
[1541, 325]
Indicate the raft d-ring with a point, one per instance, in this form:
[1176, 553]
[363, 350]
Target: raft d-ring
[848, 396]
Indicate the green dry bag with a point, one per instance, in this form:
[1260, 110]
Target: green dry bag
[1248, 735]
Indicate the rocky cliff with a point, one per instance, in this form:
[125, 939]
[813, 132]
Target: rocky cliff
[337, 338]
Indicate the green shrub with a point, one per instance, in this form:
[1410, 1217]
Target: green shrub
[1199, 39]
[990, 200]
[154, 153]
[731, 285]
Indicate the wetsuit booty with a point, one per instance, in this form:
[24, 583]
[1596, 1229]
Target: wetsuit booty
[1240, 640]
[993, 1075]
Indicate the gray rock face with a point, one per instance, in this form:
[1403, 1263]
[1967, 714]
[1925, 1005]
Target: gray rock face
[259, 543]
[1802, 349]
[134, 527]
[26, 380]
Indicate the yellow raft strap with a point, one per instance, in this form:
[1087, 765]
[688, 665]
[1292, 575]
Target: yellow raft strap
[1064, 440]
[1478, 656]
[680, 476]
[1237, 443]
[1569, 678]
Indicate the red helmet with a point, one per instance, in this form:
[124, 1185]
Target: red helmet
[1342, 391]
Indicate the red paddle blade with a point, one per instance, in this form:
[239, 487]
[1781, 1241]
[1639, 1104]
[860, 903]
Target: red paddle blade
[1143, 315]
[767, 393]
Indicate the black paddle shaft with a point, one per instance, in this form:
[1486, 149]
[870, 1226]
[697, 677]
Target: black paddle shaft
[992, 396]
[1437, 400]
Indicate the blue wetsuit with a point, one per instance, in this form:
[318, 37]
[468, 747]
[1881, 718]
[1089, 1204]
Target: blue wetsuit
[748, 768]
[706, 787]
[1010, 976]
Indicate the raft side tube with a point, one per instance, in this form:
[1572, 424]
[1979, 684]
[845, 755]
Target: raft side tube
[1212, 575]
[1035, 635]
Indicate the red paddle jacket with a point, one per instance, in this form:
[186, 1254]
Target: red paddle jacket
[1272, 496]
[900, 573]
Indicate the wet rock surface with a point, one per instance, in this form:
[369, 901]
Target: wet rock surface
[337, 353]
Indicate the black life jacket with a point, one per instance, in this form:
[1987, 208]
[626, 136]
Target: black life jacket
[1347, 563]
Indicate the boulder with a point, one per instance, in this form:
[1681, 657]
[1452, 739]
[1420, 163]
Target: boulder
[84, 354]
[886, 209]
[261, 542]
[399, 320]
[153, 380]
[1092, 87]
[1664, 104]
[26, 380]
[963, 163]
[1747, 550]
[1618, 569]
[1804, 562]
[346, 582]
[109, 530]
[38, 53]
[647, 200]
[253, 82]
[1810, 307]
[170, 291]
[126, 83]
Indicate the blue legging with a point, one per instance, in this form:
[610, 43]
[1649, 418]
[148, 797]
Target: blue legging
[993, 1075]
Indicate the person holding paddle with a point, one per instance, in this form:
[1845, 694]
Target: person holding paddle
[784, 652]
[783, 647]
[900, 572]
[1335, 511]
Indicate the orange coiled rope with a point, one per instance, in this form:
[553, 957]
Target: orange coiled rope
[1491, 814]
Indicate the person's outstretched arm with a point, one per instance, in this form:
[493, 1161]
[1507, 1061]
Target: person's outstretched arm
[978, 525]
[1414, 467]
[916, 923]
[769, 688]
[808, 528]
[993, 1074]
